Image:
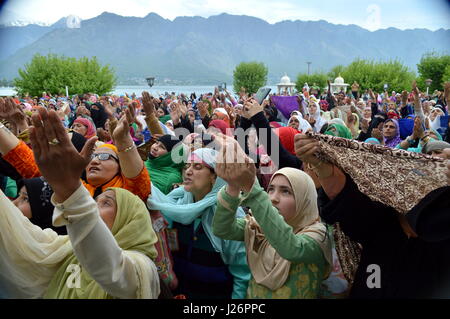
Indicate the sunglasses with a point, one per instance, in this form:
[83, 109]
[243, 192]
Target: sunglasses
[104, 156]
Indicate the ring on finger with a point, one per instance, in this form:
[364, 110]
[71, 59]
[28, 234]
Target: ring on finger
[54, 141]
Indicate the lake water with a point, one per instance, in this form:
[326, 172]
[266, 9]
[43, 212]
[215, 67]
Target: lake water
[155, 90]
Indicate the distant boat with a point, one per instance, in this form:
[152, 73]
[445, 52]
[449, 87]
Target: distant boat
[150, 81]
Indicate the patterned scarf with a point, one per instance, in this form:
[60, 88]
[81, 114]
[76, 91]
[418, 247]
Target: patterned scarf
[377, 170]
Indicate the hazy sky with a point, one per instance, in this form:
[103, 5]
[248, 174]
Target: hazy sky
[372, 14]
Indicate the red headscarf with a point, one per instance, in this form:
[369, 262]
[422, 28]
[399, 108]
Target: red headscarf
[222, 126]
[286, 135]
[89, 125]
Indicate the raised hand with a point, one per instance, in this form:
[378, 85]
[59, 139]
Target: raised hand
[447, 91]
[404, 98]
[202, 109]
[251, 107]
[234, 166]
[148, 103]
[57, 158]
[418, 129]
[122, 130]
[132, 118]
[306, 148]
[175, 114]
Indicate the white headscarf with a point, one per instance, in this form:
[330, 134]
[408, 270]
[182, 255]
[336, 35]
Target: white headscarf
[317, 117]
[303, 125]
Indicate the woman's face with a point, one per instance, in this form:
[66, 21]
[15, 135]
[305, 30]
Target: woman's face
[159, 112]
[435, 113]
[214, 117]
[198, 179]
[169, 126]
[391, 106]
[158, 149]
[282, 196]
[100, 172]
[79, 128]
[312, 109]
[191, 116]
[22, 203]
[389, 129]
[107, 206]
[367, 112]
[294, 123]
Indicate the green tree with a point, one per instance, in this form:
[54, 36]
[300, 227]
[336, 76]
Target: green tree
[373, 75]
[432, 66]
[52, 74]
[319, 79]
[336, 71]
[249, 75]
[446, 76]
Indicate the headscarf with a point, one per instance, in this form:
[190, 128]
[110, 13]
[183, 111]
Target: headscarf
[319, 120]
[339, 130]
[133, 231]
[267, 266]
[372, 140]
[222, 114]
[303, 125]
[434, 145]
[38, 263]
[98, 115]
[286, 135]
[222, 126]
[91, 131]
[164, 171]
[39, 194]
[395, 140]
[436, 123]
[179, 205]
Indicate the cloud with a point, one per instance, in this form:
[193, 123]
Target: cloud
[373, 19]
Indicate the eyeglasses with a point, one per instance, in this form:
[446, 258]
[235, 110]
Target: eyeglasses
[104, 156]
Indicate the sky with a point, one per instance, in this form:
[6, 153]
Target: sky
[369, 14]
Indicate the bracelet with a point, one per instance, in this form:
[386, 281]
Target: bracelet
[129, 148]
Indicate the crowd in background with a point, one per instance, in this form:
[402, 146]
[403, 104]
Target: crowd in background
[143, 196]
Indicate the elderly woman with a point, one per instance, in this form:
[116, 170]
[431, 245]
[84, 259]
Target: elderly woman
[116, 165]
[84, 127]
[38, 263]
[288, 248]
[205, 265]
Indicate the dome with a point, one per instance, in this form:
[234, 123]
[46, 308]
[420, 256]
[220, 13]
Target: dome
[285, 80]
[339, 80]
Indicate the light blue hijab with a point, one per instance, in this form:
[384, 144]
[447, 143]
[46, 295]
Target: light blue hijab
[179, 206]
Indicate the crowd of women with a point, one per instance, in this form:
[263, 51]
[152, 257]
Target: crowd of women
[221, 196]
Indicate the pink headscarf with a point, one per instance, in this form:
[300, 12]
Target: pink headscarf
[222, 126]
[89, 125]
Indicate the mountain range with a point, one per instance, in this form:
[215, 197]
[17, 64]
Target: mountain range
[196, 50]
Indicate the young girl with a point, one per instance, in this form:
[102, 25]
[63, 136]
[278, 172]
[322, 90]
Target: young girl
[288, 248]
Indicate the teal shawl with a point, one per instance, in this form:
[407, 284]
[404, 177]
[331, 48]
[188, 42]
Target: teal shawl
[179, 206]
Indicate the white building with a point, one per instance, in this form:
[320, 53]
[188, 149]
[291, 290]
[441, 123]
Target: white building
[339, 85]
[285, 86]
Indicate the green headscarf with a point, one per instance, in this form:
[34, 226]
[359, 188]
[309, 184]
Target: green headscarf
[132, 230]
[164, 172]
[339, 130]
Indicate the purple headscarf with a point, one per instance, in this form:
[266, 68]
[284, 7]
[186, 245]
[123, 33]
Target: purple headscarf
[395, 140]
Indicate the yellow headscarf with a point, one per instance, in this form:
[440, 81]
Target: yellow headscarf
[133, 232]
[267, 266]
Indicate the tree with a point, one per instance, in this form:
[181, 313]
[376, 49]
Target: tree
[249, 75]
[373, 75]
[52, 74]
[319, 79]
[432, 66]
